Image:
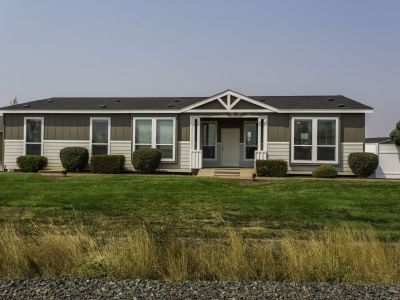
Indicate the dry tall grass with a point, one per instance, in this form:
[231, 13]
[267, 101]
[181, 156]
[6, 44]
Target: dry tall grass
[342, 255]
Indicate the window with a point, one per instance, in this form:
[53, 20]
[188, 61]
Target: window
[165, 138]
[156, 133]
[315, 140]
[250, 139]
[100, 136]
[209, 139]
[33, 136]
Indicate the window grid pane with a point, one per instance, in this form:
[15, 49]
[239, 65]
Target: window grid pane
[326, 132]
[251, 133]
[303, 132]
[143, 132]
[33, 149]
[100, 131]
[303, 153]
[250, 152]
[34, 130]
[209, 134]
[165, 132]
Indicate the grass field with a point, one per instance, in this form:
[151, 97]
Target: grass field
[185, 206]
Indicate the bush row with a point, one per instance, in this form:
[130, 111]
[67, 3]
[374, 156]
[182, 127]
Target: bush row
[147, 161]
[362, 164]
[77, 158]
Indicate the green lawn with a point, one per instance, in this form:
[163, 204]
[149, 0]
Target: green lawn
[199, 207]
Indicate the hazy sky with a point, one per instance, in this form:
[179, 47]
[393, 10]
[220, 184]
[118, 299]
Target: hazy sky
[199, 48]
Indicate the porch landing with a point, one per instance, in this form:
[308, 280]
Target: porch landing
[234, 173]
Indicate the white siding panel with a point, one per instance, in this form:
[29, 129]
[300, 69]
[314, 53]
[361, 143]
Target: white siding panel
[51, 150]
[123, 148]
[279, 151]
[12, 149]
[183, 158]
[345, 150]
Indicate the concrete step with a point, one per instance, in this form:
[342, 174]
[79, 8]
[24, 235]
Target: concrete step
[235, 173]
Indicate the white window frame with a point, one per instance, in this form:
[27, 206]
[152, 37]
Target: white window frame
[41, 133]
[108, 119]
[258, 137]
[154, 135]
[215, 139]
[314, 145]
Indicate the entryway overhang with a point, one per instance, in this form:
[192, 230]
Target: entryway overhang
[196, 152]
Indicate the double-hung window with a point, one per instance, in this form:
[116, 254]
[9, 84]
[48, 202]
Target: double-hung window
[100, 136]
[33, 136]
[250, 138]
[315, 140]
[156, 133]
[209, 139]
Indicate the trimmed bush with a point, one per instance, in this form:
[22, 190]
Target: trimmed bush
[146, 160]
[395, 134]
[363, 164]
[325, 171]
[272, 167]
[74, 158]
[107, 164]
[31, 163]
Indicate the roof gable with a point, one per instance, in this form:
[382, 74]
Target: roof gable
[229, 101]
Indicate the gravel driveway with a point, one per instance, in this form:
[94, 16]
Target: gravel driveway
[146, 289]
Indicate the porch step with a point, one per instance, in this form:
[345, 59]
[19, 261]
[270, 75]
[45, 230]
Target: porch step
[235, 173]
[227, 173]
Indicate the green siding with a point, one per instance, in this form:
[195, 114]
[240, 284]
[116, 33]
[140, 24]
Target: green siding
[353, 128]
[121, 127]
[66, 127]
[184, 127]
[76, 126]
[13, 127]
[278, 128]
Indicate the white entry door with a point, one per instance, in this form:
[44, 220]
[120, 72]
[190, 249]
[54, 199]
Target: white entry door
[230, 147]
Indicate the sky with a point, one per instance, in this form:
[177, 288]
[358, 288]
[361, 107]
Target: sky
[199, 48]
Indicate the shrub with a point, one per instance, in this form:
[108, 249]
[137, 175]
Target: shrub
[363, 164]
[395, 134]
[146, 160]
[31, 163]
[271, 167]
[74, 158]
[107, 164]
[325, 171]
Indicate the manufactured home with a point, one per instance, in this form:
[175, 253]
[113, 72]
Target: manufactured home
[227, 130]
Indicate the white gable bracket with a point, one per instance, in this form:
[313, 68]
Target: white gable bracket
[229, 105]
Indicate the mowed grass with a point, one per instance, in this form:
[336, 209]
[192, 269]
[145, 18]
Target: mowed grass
[185, 206]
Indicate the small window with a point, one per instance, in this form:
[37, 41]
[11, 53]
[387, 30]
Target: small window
[100, 136]
[156, 133]
[209, 139]
[33, 136]
[250, 136]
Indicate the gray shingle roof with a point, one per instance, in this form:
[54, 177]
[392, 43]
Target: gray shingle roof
[337, 102]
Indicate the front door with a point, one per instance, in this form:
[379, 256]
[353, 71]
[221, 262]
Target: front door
[230, 147]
